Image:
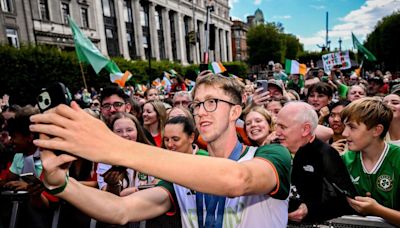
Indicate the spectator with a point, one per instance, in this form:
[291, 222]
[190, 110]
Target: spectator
[375, 85]
[152, 94]
[258, 181]
[316, 166]
[154, 116]
[356, 92]
[258, 126]
[335, 122]
[372, 163]
[279, 74]
[113, 100]
[393, 101]
[182, 98]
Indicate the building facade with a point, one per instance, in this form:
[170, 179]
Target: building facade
[171, 30]
[239, 41]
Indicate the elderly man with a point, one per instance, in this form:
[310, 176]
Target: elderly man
[317, 167]
[182, 98]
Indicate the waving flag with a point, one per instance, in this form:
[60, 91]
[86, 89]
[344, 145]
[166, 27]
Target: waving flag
[87, 52]
[216, 67]
[367, 54]
[294, 67]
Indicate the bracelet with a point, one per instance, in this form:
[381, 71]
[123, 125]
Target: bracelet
[59, 189]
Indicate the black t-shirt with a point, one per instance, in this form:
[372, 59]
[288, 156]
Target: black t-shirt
[316, 166]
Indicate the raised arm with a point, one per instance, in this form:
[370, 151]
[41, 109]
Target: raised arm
[85, 136]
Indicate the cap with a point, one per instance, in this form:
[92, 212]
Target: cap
[395, 89]
[276, 83]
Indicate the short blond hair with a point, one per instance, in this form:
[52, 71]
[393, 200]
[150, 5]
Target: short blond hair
[369, 111]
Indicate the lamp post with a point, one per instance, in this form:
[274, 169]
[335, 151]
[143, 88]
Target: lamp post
[210, 8]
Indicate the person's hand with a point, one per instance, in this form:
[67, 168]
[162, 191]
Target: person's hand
[128, 191]
[363, 205]
[76, 132]
[16, 185]
[299, 214]
[270, 138]
[260, 98]
[324, 112]
[35, 189]
[113, 177]
[339, 145]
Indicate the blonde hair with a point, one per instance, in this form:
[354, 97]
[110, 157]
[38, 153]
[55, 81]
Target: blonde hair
[263, 112]
[161, 114]
[369, 111]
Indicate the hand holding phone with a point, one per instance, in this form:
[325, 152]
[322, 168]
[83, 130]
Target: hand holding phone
[31, 179]
[262, 84]
[203, 67]
[343, 191]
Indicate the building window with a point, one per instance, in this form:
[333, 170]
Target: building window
[6, 5]
[173, 35]
[130, 31]
[65, 11]
[128, 11]
[186, 22]
[85, 17]
[145, 29]
[44, 10]
[160, 32]
[12, 37]
[108, 8]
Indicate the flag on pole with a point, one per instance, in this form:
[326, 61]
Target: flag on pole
[216, 67]
[87, 52]
[367, 54]
[294, 67]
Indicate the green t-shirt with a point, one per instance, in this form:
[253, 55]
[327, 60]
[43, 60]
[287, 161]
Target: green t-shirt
[383, 181]
[342, 90]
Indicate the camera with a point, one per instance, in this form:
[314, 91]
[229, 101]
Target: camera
[52, 96]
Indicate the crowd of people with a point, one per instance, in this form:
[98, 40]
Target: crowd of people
[224, 154]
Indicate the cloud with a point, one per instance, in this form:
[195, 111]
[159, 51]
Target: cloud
[361, 22]
[318, 7]
[257, 2]
[232, 3]
[285, 17]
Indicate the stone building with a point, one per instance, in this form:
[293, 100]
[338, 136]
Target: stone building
[134, 29]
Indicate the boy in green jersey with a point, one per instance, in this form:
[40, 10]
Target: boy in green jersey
[373, 164]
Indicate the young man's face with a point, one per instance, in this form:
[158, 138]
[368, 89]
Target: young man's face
[357, 135]
[113, 104]
[212, 125]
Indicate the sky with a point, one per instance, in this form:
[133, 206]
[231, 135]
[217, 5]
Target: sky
[306, 19]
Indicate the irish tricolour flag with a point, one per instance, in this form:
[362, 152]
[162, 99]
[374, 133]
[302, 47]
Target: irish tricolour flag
[294, 67]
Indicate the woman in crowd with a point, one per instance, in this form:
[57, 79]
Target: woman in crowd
[336, 124]
[154, 116]
[179, 111]
[179, 135]
[356, 92]
[275, 105]
[118, 180]
[151, 94]
[258, 126]
[393, 100]
[319, 95]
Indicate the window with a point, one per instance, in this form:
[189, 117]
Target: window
[143, 16]
[109, 33]
[173, 35]
[160, 32]
[65, 11]
[6, 5]
[108, 8]
[44, 10]
[12, 37]
[85, 18]
[128, 11]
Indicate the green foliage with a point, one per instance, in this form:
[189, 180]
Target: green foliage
[269, 42]
[28, 69]
[383, 42]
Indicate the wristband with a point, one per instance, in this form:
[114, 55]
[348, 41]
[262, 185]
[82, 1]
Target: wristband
[59, 189]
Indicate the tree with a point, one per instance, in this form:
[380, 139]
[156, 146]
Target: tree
[264, 43]
[384, 42]
[293, 46]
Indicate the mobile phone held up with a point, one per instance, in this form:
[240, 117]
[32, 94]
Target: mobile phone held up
[343, 191]
[203, 67]
[52, 96]
[262, 84]
[30, 178]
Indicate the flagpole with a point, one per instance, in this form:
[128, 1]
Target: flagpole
[83, 76]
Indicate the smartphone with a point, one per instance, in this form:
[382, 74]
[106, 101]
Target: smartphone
[262, 84]
[145, 186]
[30, 178]
[203, 67]
[343, 191]
[52, 96]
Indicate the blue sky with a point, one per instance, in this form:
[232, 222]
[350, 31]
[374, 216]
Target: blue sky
[306, 18]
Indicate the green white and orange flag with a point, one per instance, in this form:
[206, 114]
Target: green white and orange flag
[87, 52]
[294, 67]
[216, 67]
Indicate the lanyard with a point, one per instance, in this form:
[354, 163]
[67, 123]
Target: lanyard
[212, 201]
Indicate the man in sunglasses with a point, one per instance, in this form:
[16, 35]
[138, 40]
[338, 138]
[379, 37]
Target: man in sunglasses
[113, 100]
[235, 186]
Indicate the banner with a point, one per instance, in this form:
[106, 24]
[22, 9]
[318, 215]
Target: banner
[341, 59]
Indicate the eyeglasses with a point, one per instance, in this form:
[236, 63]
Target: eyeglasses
[116, 105]
[182, 103]
[210, 105]
[95, 104]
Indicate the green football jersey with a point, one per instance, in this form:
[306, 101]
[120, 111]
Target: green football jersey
[383, 181]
